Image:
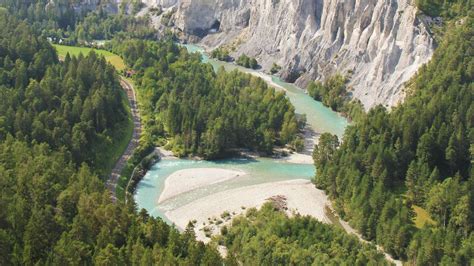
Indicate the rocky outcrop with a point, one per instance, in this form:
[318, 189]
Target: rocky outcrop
[380, 44]
[162, 3]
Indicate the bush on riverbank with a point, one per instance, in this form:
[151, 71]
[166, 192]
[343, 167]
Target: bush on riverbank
[275, 69]
[126, 187]
[333, 93]
[221, 54]
[140, 171]
[246, 61]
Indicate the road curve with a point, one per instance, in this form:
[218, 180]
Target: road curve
[137, 130]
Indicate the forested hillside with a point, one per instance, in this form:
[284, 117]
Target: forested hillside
[60, 20]
[445, 8]
[58, 120]
[54, 213]
[203, 112]
[419, 154]
[54, 119]
[74, 105]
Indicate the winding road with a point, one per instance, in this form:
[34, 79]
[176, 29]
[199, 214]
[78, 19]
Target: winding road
[137, 130]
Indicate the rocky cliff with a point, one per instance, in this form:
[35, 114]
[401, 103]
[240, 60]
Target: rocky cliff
[379, 44]
[162, 3]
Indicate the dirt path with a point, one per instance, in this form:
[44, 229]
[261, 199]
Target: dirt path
[137, 130]
[337, 221]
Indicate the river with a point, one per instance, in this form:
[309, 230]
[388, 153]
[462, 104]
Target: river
[258, 171]
[261, 170]
[320, 118]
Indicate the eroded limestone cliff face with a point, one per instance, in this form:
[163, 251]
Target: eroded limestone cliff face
[162, 3]
[379, 44]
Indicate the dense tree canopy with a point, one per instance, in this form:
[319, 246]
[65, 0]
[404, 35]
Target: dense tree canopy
[418, 154]
[54, 208]
[204, 112]
[220, 53]
[61, 20]
[53, 213]
[333, 93]
[246, 61]
[100, 25]
[44, 14]
[269, 237]
[446, 8]
[72, 105]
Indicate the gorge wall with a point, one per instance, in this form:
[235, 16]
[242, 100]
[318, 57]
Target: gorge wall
[379, 44]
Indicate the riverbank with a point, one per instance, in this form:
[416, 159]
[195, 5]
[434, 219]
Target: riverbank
[165, 154]
[212, 212]
[186, 180]
[317, 114]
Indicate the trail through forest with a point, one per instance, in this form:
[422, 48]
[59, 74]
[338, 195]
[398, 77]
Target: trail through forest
[335, 219]
[137, 130]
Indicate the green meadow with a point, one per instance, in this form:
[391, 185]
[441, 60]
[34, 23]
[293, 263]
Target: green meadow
[112, 58]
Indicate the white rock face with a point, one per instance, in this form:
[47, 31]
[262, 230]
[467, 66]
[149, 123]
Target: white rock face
[380, 44]
[162, 3]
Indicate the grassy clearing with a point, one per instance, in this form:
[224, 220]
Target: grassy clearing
[113, 59]
[422, 217]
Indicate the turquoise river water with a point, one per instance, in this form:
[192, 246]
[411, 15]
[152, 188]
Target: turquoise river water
[262, 170]
[320, 118]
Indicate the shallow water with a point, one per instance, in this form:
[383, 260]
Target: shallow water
[320, 119]
[261, 170]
